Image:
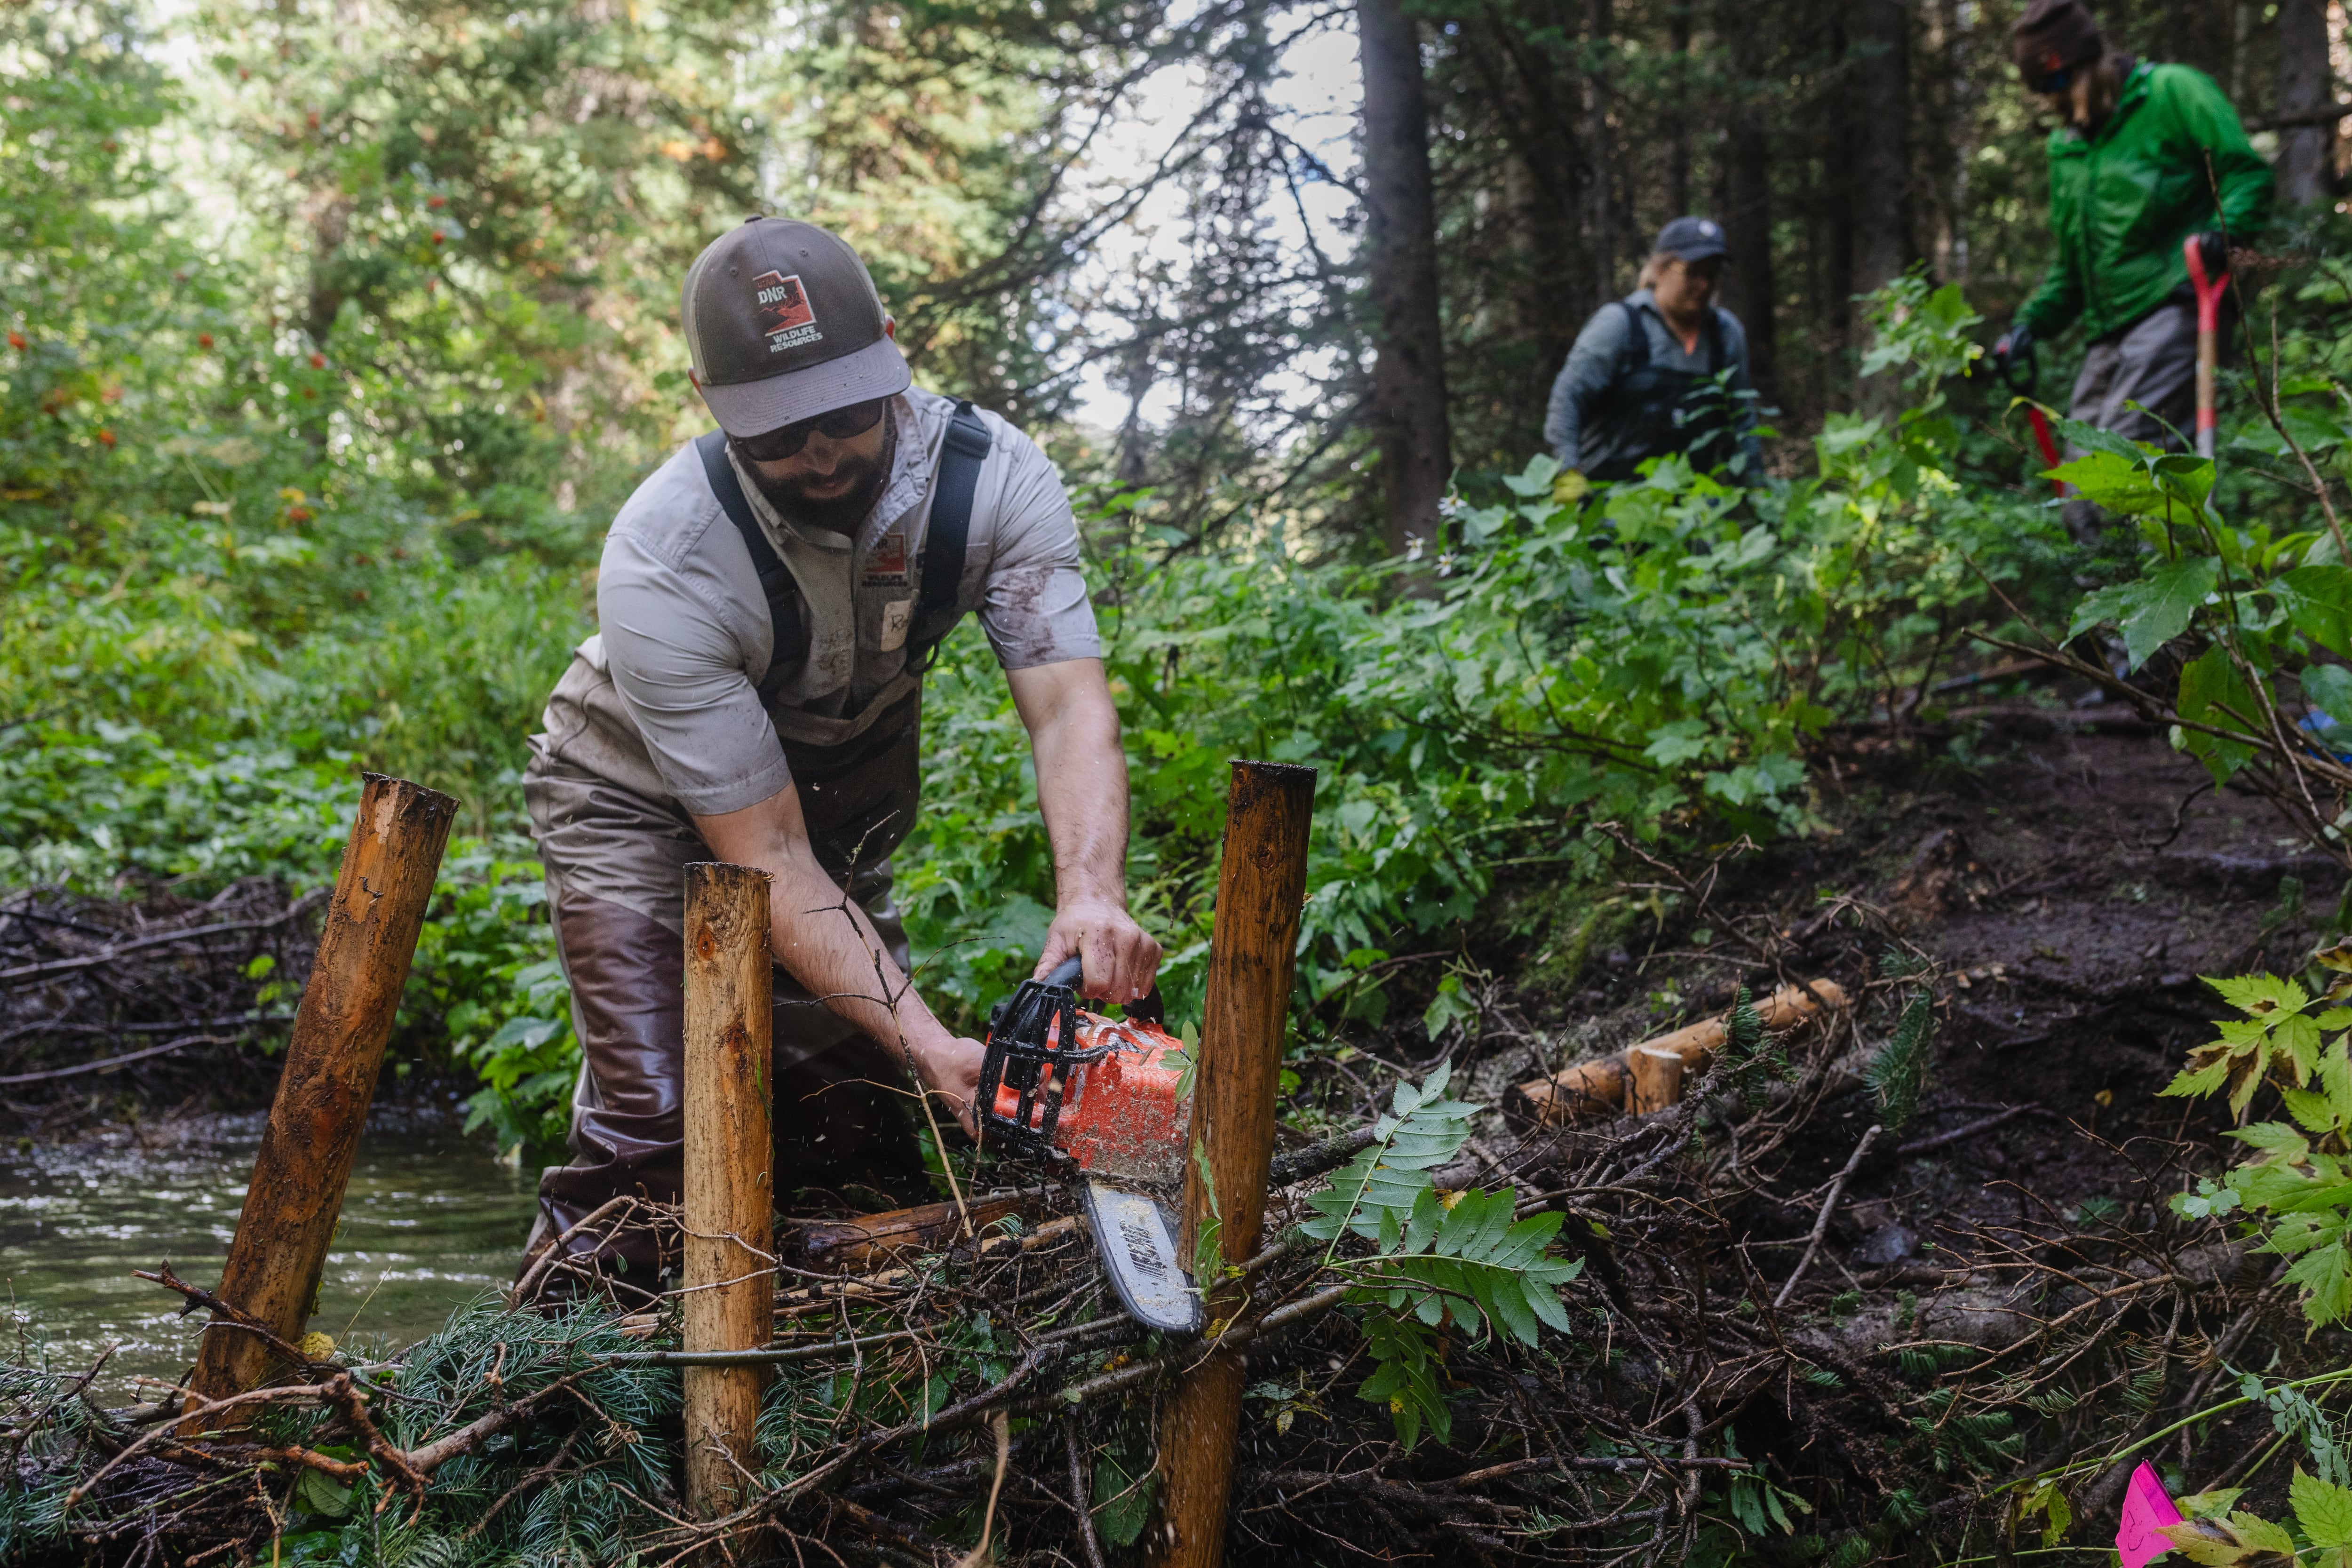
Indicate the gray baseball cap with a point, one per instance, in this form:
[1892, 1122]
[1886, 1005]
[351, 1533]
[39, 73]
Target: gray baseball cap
[784, 324]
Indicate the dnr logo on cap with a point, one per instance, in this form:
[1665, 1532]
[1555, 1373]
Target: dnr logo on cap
[785, 314]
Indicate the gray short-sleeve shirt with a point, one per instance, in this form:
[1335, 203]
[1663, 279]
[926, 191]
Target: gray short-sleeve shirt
[662, 702]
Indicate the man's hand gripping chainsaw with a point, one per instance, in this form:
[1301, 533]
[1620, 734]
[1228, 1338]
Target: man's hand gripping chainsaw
[1069, 1089]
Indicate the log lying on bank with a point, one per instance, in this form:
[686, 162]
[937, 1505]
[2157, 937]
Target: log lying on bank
[863, 1242]
[1608, 1085]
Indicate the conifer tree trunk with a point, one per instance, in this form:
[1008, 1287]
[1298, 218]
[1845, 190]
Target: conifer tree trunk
[1678, 129]
[1601, 227]
[2304, 161]
[1401, 254]
[1880, 167]
[1746, 214]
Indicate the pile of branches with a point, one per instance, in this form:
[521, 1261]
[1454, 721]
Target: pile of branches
[159, 993]
[1722, 1382]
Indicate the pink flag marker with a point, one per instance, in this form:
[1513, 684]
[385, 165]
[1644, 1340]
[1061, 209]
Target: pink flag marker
[2146, 1509]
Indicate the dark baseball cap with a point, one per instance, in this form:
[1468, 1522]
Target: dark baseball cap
[2051, 39]
[1691, 238]
[784, 324]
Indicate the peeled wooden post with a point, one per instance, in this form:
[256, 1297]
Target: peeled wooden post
[730, 1185]
[1657, 1078]
[1253, 960]
[296, 1192]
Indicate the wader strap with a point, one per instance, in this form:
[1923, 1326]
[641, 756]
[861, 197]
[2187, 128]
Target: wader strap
[777, 584]
[960, 456]
[1636, 354]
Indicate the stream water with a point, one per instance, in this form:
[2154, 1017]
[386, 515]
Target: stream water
[431, 1220]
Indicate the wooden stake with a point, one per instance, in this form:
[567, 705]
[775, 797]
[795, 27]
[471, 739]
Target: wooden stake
[1657, 1079]
[1598, 1088]
[730, 1184]
[1252, 964]
[292, 1203]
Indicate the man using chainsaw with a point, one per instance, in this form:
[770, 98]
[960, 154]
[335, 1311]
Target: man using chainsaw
[2146, 157]
[768, 601]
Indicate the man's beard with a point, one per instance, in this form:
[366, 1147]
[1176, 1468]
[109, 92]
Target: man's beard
[834, 514]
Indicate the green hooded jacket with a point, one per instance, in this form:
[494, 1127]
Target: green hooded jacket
[2122, 200]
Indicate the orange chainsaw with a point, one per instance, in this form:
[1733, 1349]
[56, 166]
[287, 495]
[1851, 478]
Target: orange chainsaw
[1072, 1090]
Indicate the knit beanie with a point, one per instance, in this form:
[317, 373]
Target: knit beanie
[2052, 35]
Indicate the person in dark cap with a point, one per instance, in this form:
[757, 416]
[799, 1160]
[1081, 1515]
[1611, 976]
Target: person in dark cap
[2145, 156]
[1642, 380]
[768, 603]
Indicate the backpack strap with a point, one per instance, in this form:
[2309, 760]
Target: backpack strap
[777, 584]
[1636, 354]
[962, 454]
[1715, 363]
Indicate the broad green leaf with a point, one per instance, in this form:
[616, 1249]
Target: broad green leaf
[2091, 438]
[2328, 687]
[2241, 1540]
[2152, 610]
[2312, 1111]
[2261, 995]
[2323, 1508]
[2318, 601]
[2325, 1278]
[2213, 693]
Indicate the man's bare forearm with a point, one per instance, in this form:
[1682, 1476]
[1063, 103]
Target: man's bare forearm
[1082, 794]
[829, 944]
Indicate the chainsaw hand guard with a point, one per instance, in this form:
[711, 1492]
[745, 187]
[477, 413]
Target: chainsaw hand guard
[1033, 1050]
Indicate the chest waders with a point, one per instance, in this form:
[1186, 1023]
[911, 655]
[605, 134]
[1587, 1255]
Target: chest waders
[860, 776]
[1655, 412]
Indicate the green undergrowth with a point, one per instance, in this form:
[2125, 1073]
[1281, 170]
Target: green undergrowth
[1655, 662]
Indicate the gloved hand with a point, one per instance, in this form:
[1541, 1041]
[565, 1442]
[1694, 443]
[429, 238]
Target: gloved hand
[1568, 487]
[2012, 346]
[2213, 249]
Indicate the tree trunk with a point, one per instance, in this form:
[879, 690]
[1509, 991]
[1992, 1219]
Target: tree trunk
[1678, 140]
[1746, 208]
[2305, 157]
[2199, 33]
[1401, 253]
[1880, 167]
[1602, 231]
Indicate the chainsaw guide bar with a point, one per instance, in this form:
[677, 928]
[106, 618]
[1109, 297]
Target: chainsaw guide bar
[1136, 1235]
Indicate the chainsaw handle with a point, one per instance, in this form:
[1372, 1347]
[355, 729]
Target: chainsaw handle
[1070, 971]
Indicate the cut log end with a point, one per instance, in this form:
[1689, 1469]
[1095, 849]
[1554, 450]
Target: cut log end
[1605, 1085]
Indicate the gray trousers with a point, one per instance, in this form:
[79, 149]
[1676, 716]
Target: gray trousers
[2152, 363]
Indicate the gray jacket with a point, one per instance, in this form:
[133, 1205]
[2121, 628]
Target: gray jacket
[1577, 426]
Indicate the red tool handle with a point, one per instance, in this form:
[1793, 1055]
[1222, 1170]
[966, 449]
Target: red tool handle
[2042, 439]
[2208, 337]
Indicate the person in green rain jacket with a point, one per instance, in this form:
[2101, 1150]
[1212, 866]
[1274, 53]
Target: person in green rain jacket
[2148, 157]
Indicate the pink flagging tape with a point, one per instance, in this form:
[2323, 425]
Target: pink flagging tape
[2146, 1509]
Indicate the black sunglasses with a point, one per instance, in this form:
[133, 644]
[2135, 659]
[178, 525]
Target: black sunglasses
[839, 425]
